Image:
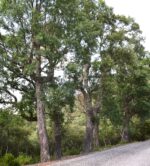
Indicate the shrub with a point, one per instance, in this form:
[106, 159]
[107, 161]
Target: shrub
[8, 160]
[141, 131]
[23, 159]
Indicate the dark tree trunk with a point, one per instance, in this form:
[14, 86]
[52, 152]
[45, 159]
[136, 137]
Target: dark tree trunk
[125, 131]
[88, 142]
[57, 133]
[42, 133]
[126, 120]
[96, 136]
[92, 130]
[96, 111]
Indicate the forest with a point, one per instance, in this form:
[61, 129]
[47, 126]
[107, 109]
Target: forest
[74, 78]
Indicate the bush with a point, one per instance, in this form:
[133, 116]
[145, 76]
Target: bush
[72, 143]
[72, 151]
[9, 160]
[23, 159]
[141, 131]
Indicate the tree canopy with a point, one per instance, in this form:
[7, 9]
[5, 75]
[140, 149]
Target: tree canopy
[63, 59]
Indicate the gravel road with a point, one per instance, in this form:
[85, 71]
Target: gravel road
[135, 154]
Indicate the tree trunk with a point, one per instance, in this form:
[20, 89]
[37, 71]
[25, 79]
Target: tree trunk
[96, 136]
[96, 128]
[42, 133]
[88, 142]
[91, 134]
[43, 138]
[126, 120]
[57, 133]
[125, 131]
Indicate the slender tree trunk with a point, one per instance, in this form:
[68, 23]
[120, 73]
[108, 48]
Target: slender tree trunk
[43, 138]
[96, 128]
[96, 136]
[126, 121]
[57, 133]
[91, 135]
[42, 133]
[125, 131]
[88, 142]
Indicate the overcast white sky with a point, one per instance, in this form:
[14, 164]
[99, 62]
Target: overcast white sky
[139, 10]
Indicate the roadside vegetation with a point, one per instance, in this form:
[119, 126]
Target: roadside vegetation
[74, 78]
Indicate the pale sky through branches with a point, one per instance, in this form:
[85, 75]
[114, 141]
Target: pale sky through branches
[139, 10]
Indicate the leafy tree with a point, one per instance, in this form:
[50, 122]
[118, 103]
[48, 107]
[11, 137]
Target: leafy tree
[32, 45]
[91, 32]
[127, 53]
[100, 54]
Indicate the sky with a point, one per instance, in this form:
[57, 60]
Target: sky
[139, 10]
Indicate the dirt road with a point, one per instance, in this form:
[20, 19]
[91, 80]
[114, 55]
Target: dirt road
[135, 154]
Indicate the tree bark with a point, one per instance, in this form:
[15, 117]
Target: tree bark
[96, 128]
[126, 120]
[125, 131]
[91, 134]
[88, 141]
[42, 133]
[57, 133]
[92, 130]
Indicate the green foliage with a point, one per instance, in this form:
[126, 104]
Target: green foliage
[23, 159]
[101, 55]
[140, 130]
[16, 135]
[9, 160]
[72, 141]
[110, 133]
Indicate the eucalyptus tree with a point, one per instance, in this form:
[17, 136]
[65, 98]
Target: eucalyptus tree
[32, 44]
[127, 53]
[88, 44]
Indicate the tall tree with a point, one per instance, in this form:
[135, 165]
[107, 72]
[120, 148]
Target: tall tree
[32, 43]
[127, 53]
[90, 40]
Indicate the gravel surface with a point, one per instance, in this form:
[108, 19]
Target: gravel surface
[135, 154]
